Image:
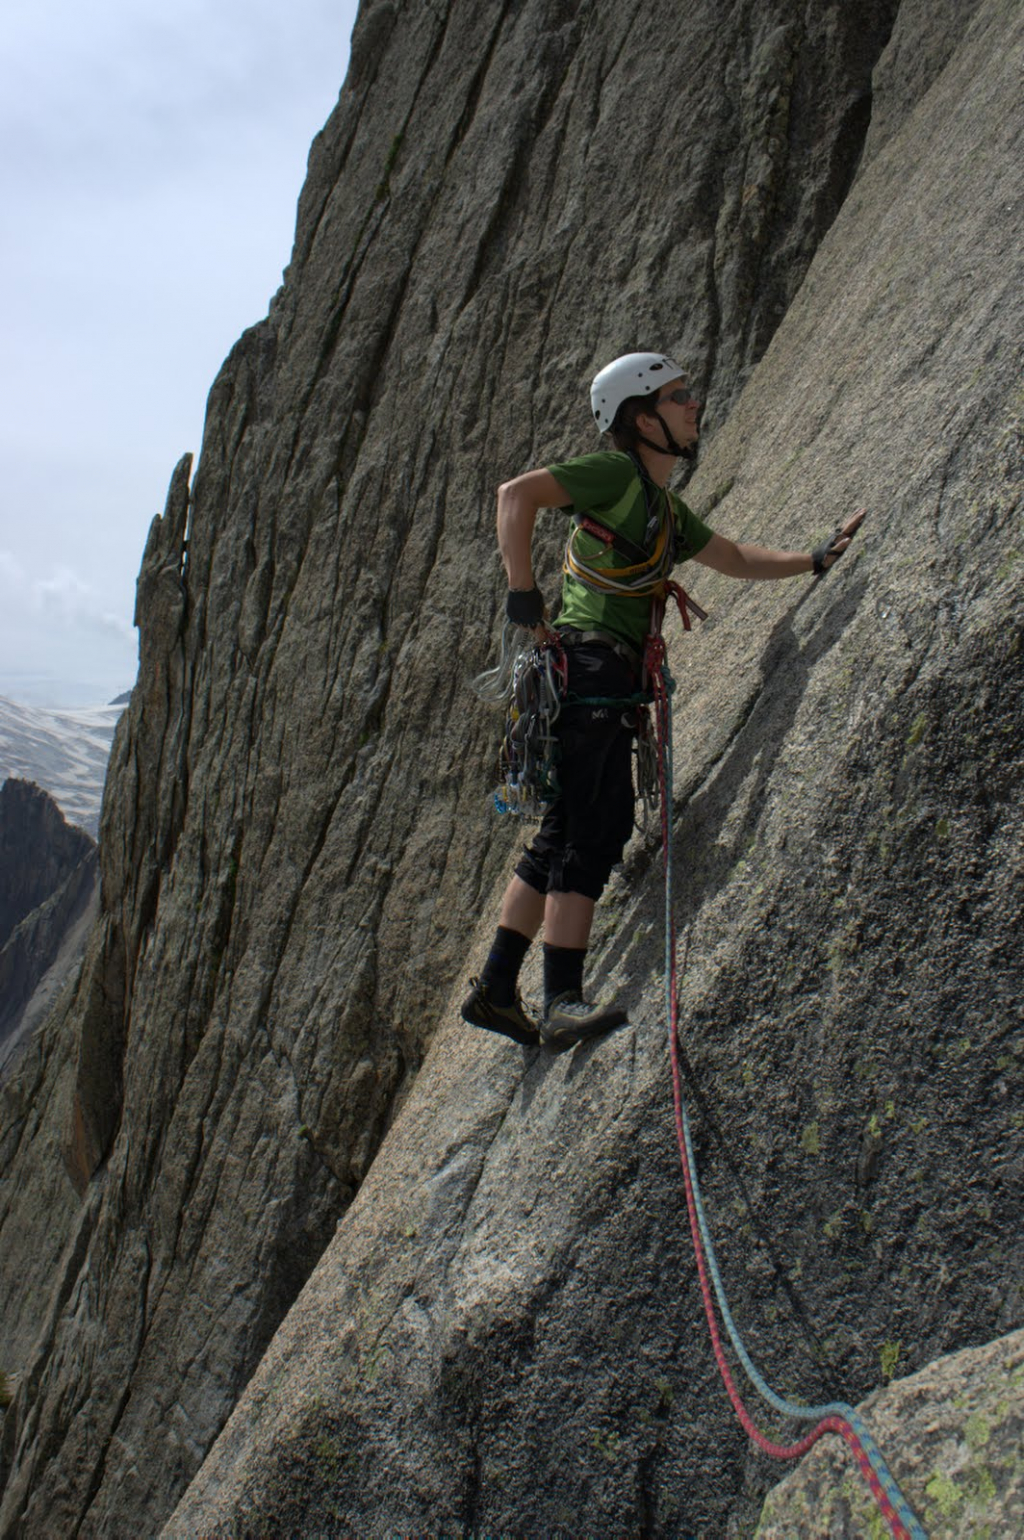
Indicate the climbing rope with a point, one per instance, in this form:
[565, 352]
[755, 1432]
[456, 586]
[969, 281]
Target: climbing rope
[835, 1417]
[648, 566]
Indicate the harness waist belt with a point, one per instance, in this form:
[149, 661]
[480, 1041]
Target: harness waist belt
[630, 655]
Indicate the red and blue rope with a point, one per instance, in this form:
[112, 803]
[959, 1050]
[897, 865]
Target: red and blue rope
[836, 1417]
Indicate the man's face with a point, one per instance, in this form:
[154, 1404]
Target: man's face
[679, 407]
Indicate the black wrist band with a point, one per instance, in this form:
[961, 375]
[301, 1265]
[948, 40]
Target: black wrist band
[525, 606]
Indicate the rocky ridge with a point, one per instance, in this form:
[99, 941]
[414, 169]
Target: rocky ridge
[297, 784]
[39, 850]
[47, 902]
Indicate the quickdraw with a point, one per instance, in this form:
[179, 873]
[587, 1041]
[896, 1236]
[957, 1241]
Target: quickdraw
[528, 756]
[536, 690]
[529, 751]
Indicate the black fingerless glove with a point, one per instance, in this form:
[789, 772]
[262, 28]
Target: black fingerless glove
[826, 548]
[525, 607]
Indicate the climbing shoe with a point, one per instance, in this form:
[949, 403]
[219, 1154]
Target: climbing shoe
[570, 1019]
[511, 1020]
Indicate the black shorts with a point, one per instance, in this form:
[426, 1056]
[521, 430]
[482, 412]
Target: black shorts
[584, 832]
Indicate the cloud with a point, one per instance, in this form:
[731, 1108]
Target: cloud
[61, 600]
[66, 599]
[154, 151]
[147, 91]
[12, 574]
[60, 644]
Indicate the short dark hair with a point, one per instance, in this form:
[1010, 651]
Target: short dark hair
[624, 432]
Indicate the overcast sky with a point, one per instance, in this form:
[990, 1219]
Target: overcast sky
[152, 157]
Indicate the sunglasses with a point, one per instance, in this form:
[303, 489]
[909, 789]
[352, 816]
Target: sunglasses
[682, 397]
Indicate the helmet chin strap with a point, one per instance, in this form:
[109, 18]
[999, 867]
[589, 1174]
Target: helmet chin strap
[670, 447]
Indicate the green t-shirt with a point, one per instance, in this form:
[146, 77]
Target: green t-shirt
[608, 486]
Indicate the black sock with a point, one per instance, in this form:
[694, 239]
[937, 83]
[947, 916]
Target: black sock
[501, 970]
[563, 971]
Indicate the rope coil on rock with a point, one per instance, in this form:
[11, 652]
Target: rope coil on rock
[835, 1417]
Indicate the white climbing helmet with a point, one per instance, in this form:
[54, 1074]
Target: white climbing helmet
[634, 374]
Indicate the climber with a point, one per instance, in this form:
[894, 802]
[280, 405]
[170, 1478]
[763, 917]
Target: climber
[643, 402]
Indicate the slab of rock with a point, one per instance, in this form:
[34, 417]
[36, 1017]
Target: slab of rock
[299, 858]
[505, 1335]
[953, 1435]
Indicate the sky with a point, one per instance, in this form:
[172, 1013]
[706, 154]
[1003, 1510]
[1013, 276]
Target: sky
[151, 157]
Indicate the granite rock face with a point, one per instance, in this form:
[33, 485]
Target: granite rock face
[38, 852]
[924, 38]
[499, 1329]
[47, 887]
[959, 1427]
[505, 1334]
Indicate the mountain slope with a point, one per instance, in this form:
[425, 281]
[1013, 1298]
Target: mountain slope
[297, 845]
[64, 752]
[47, 885]
[505, 1334]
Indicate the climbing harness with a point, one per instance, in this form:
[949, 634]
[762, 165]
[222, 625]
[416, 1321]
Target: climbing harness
[537, 693]
[647, 566]
[836, 1416]
[532, 680]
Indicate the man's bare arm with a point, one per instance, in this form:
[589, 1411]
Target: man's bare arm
[519, 502]
[756, 561]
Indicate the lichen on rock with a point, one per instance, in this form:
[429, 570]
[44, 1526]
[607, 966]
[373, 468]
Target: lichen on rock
[959, 1428]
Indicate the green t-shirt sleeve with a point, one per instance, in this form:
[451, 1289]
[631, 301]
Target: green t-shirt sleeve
[595, 481]
[692, 533]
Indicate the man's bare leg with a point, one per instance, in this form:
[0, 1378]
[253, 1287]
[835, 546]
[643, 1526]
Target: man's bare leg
[567, 919]
[522, 908]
